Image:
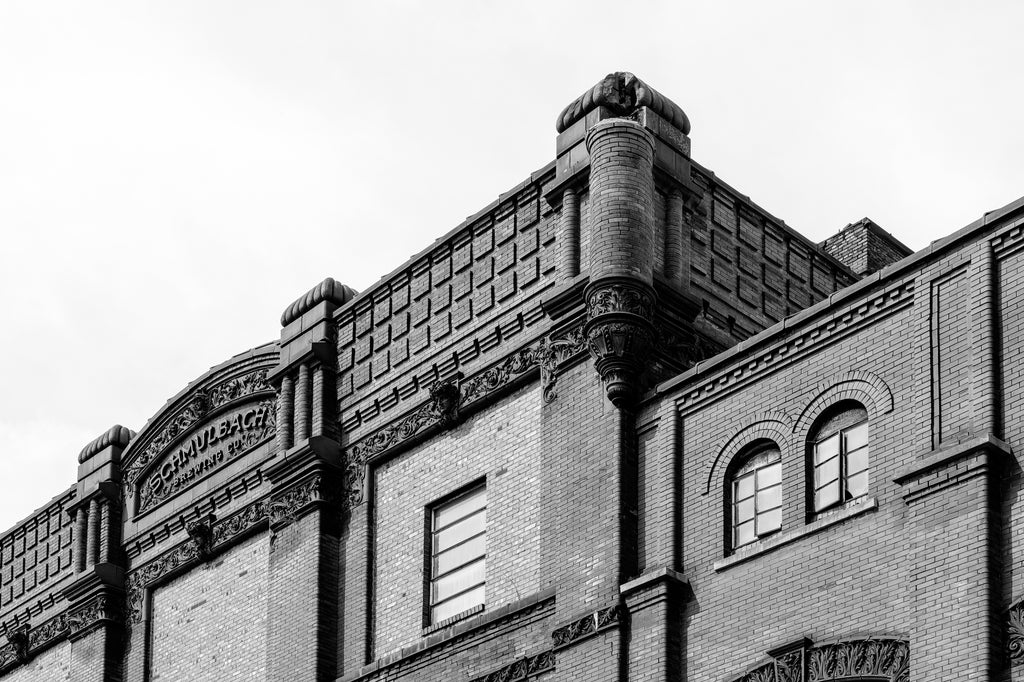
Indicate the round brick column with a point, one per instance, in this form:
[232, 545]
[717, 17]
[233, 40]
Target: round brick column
[620, 296]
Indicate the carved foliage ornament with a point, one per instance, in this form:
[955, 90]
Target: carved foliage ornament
[1015, 633]
[522, 669]
[880, 658]
[23, 641]
[589, 625]
[201, 403]
[620, 298]
[446, 399]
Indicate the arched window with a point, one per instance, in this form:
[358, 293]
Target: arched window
[839, 455]
[754, 494]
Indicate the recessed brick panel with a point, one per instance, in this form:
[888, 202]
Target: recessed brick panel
[211, 623]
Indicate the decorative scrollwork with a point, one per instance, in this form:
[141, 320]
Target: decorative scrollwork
[1015, 633]
[445, 399]
[521, 669]
[285, 507]
[620, 298]
[200, 404]
[586, 626]
[882, 658]
[555, 350]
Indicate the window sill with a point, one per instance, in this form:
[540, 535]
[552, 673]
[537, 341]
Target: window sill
[824, 520]
[451, 620]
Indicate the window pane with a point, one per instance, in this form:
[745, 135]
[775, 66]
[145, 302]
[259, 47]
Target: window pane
[457, 532]
[744, 511]
[826, 449]
[460, 554]
[857, 485]
[856, 461]
[827, 496]
[769, 522]
[744, 533]
[459, 580]
[770, 475]
[826, 473]
[744, 488]
[457, 605]
[463, 506]
[856, 436]
[770, 498]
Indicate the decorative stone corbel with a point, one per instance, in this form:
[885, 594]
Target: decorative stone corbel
[201, 534]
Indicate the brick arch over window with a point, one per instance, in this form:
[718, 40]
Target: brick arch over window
[876, 659]
[863, 387]
[773, 425]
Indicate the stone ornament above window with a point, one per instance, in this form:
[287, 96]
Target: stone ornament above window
[875, 658]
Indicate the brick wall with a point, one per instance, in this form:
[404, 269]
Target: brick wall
[53, 665]
[501, 445]
[211, 623]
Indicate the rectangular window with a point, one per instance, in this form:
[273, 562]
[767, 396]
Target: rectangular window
[458, 554]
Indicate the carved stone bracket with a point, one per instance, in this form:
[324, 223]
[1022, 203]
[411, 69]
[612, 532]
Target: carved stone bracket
[881, 658]
[522, 669]
[444, 401]
[287, 505]
[620, 333]
[201, 533]
[587, 626]
[555, 350]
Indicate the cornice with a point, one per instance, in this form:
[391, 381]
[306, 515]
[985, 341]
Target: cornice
[775, 347]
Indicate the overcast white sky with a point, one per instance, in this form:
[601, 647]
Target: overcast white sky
[173, 174]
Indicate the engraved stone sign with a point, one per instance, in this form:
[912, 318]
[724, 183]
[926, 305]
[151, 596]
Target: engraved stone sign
[206, 448]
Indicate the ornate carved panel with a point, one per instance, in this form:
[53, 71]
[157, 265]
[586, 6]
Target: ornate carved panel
[876, 658]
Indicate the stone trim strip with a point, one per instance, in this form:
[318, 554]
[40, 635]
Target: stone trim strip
[24, 642]
[588, 626]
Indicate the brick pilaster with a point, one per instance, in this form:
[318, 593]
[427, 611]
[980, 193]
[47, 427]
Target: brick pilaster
[953, 518]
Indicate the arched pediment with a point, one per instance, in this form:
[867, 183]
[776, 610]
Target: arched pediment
[223, 414]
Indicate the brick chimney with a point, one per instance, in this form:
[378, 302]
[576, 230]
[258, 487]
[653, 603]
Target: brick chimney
[865, 248]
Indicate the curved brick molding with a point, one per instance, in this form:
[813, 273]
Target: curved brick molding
[774, 425]
[864, 387]
[622, 93]
[872, 658]
[116, 435]
[328, 290]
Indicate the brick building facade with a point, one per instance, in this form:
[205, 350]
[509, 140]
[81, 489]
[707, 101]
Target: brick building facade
[622, 424]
